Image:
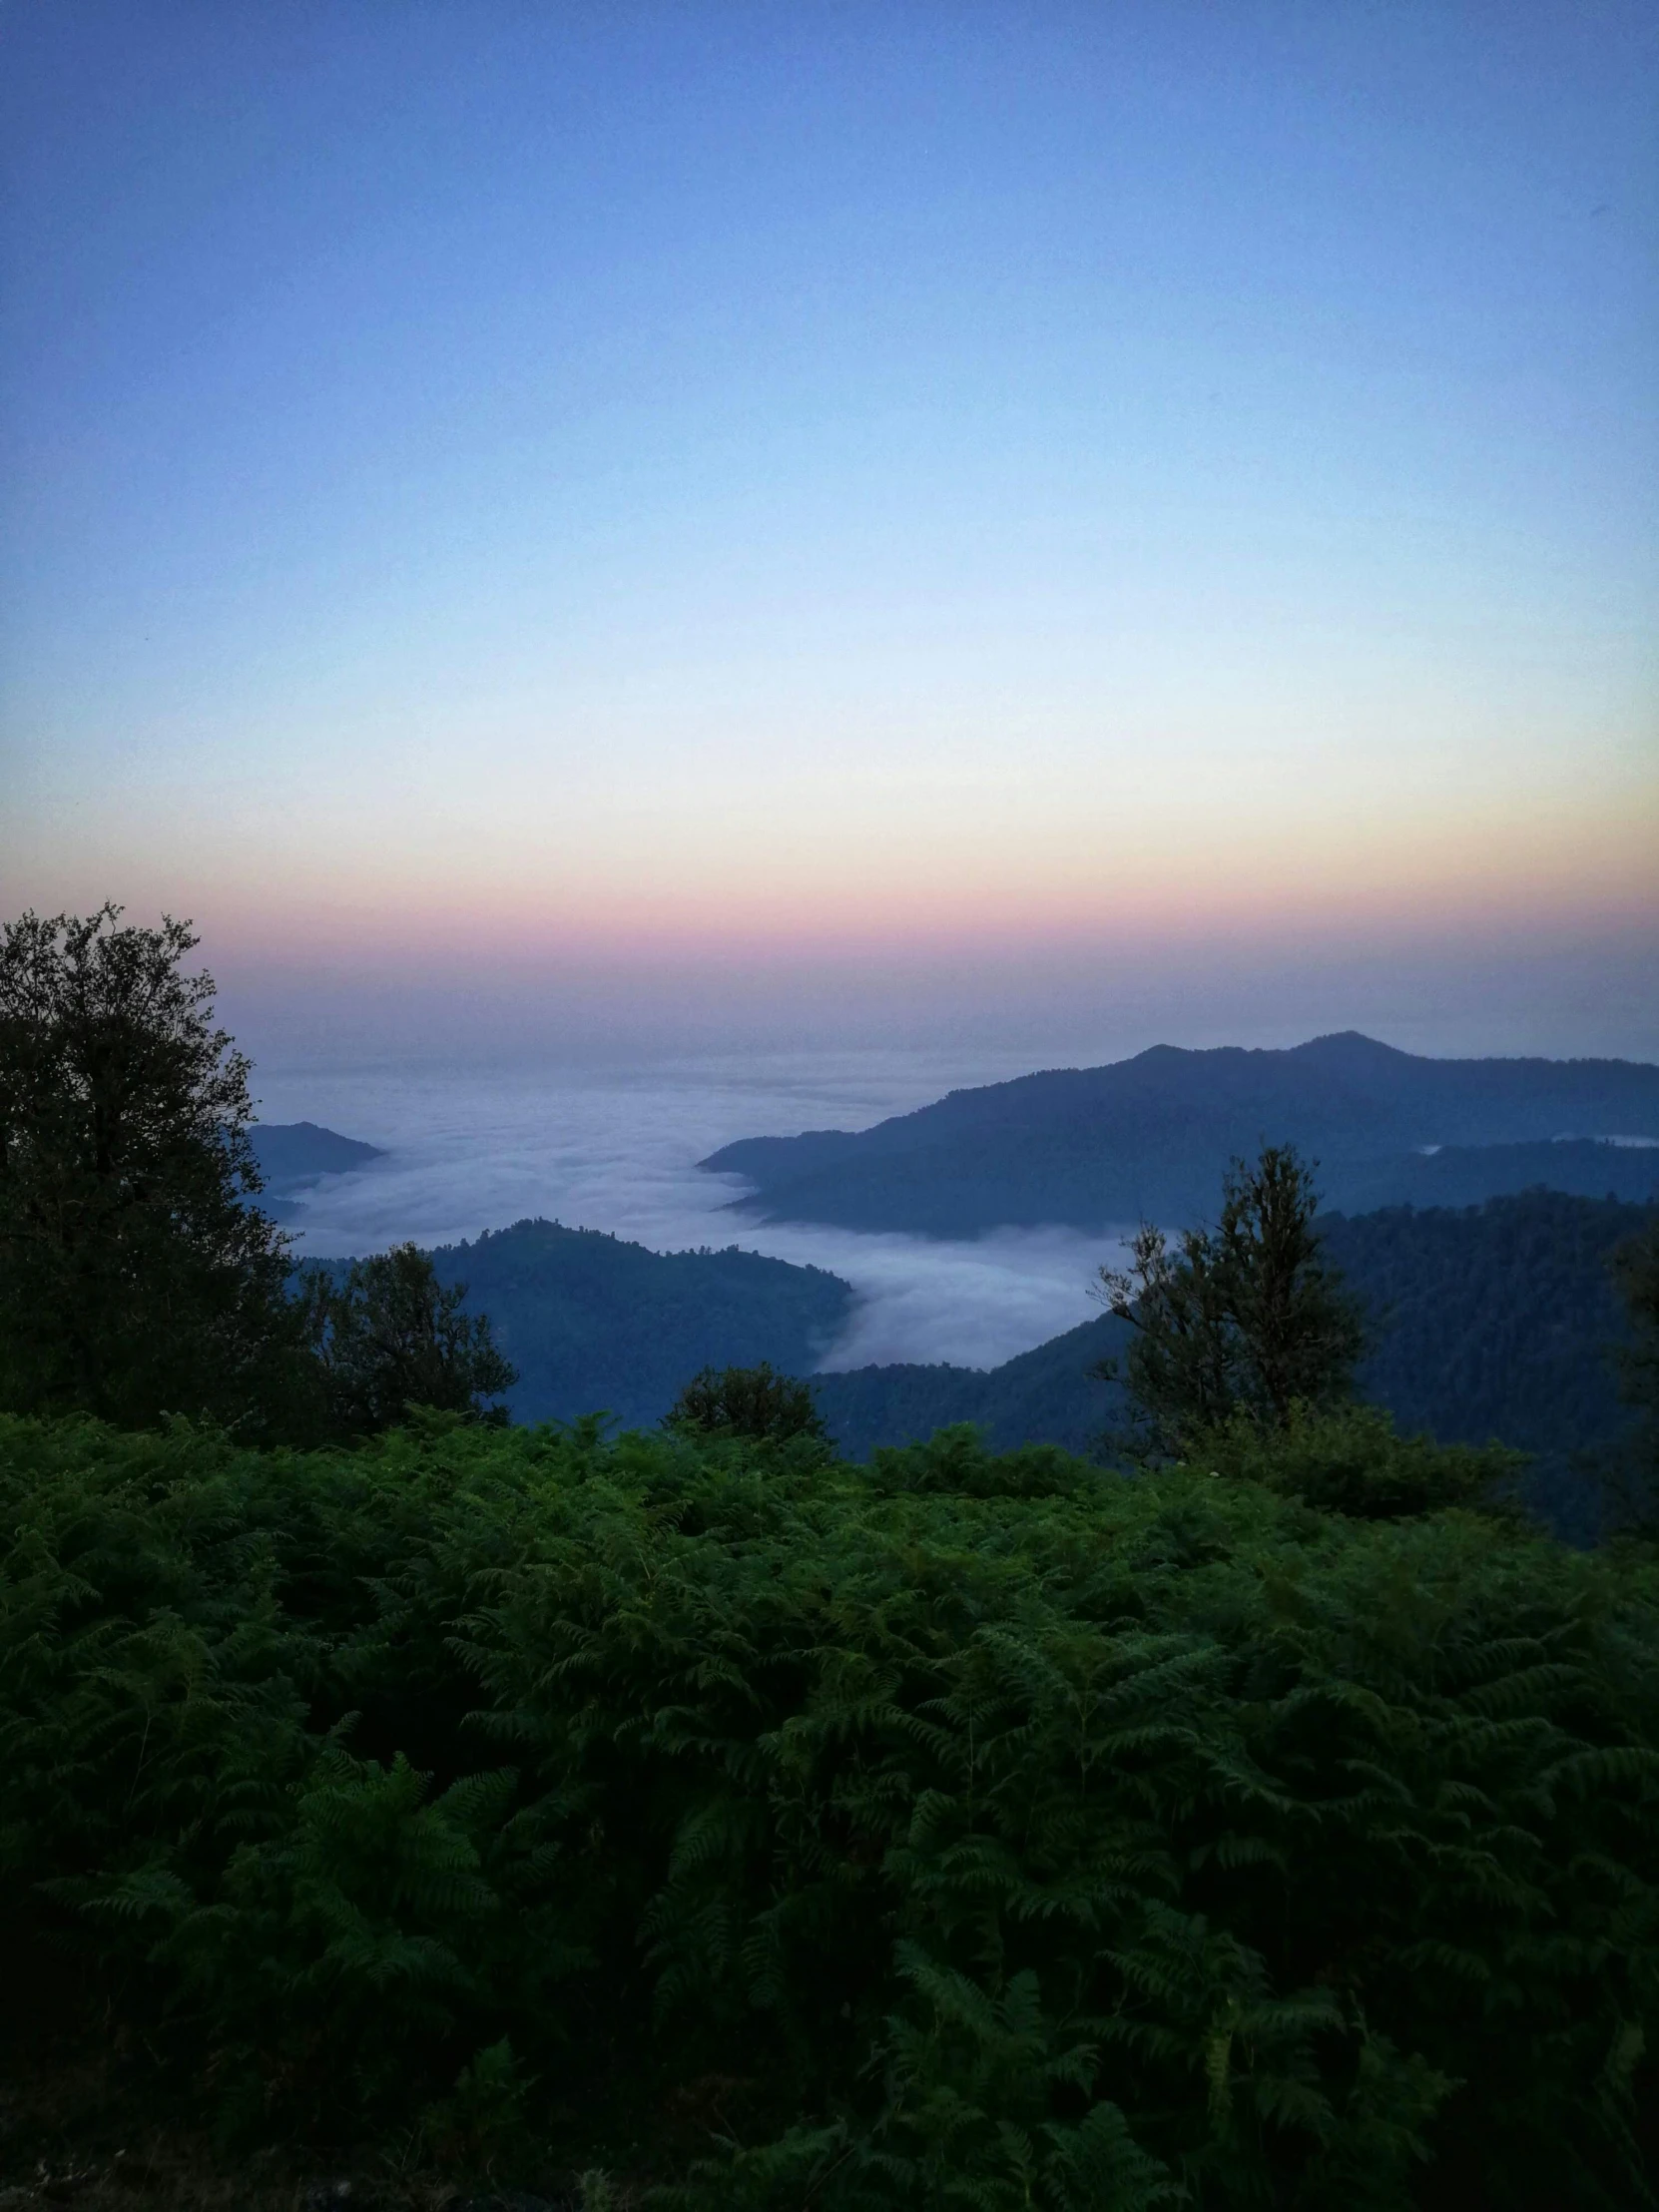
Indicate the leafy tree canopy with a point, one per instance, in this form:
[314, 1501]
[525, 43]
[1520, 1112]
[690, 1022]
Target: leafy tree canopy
[746, 1401]
[135, 1279]
[1242, 1319]
[1636, 1269]
[1348, 1459]
[390, 1336]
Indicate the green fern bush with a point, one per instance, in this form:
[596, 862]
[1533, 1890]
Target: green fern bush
[958, 1832]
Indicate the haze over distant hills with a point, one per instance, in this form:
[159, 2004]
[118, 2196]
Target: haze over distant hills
[1148, 1138]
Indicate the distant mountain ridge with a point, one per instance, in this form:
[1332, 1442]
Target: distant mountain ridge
[1149, 1137]
[295, 1156]
[292, 1155]
[594, 1323]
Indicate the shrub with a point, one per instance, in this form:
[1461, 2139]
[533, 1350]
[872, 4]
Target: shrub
[923, 1836]
[1352, 1461]
[746, 1402]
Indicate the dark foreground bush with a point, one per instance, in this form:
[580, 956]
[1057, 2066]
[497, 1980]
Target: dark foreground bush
[1352, 1461]
[960, 1834]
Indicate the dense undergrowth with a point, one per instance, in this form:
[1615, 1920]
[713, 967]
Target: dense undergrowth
[953, 1833]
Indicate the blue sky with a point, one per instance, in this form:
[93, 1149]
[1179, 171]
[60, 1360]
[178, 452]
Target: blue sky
[688, 504]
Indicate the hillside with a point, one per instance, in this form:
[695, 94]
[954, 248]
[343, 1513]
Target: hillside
[1044, 1396]
[1491, 1321]
[295, 1156]
[1149, 1137]
[593, 1322]
[292, 1155]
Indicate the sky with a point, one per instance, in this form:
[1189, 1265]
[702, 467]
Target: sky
[608, 527]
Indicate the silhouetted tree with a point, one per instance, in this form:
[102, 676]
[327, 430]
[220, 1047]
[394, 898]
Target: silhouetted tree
[1635, 1480]
[1242, 1319]
[390, 1336]
[135, 1277]
[746, 1401]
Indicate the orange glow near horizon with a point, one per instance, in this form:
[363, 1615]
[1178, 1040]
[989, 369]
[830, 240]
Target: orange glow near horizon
[1492, 875]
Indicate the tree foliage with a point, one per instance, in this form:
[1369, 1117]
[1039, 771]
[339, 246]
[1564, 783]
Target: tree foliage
[1636, 1269]
[1351, 1459]
[956, 1832]
[1497, 1320]
[390, 1336]
[755, 1402]
[135, 1276]
[1242, 1319]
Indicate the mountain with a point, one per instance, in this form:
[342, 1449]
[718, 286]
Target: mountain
[1465, 1175]
[594, 1323]
[1488, 1321]
[294, 1155]
[1148, 1138]
[1044, 1396]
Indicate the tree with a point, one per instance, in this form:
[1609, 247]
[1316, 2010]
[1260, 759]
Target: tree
[1634, 1486]
[1242, 1319]
[137, 1277]
[390, 1336]
[746, 1401]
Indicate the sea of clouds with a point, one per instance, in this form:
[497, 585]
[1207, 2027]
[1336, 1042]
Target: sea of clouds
[617, 1149]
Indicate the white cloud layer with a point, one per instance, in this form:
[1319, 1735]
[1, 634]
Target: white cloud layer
[469, 1151]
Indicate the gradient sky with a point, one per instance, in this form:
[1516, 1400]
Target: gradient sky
[1032, 517]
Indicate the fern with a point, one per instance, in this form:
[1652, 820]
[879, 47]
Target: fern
[996, 1834]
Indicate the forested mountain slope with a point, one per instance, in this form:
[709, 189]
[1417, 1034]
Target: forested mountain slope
[1495, 1319]
[295, 1156]
[1149, 1137]
[1044, 1396]
[292, 1155]
[596, 1324]
[1489, 1321]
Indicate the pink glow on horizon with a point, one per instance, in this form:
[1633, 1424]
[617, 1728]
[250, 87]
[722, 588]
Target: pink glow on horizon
[1271, 900]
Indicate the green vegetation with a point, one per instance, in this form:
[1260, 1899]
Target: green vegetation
[387, 1336]
[746, 1402]
[1502, 1320]
[594, 1323]
[1244, 1320]
[138, 1277]
[135, 1279]
[1636, 1270]
[1354, 1462]
[959, 1831]
[693, 1817]
[1496, 1321]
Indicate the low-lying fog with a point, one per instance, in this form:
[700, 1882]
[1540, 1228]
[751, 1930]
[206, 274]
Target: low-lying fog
[617, 1149]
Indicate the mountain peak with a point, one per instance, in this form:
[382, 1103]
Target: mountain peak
[1352, 1049]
